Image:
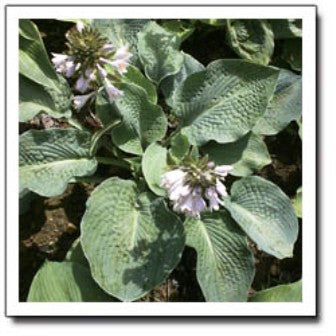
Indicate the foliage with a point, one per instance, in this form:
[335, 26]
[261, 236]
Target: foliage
[169, 113]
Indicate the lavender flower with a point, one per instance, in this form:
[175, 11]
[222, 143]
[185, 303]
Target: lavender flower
[81, 100]
[82, 84]
[64, 64]
[86, 58]
[108, 47]
[195, 188]
[80, 26]
[112, 91]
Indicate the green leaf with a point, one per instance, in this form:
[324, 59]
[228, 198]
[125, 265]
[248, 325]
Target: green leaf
[48, 159]
[179, 146]
[224, 102]
[286, 28]
[292, 53]
[65, 282]
[282, 293]
[154, 165]
[62, 97]
[76, 254]
[297, 202]
[158, 52]
[285, 105]
[225, 266]
[170, 84]
[246, 155]
[181, 28]
[122, 32]
[251, 39]
[131, 240]
[265, 213]
[34, 98]
[143, 122]
[33, 59]
[135, 76]
[105, 110]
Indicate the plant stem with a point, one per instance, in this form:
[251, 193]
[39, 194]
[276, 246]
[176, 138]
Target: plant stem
[99, 134]
[75, 123]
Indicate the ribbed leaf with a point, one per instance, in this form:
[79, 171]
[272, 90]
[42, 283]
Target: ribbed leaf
[251, 39]
[224, 102]
[265, 213]
[135, 76]
[105, 110]
[65, 282]
[225, 266]
[34, 98]
[48, 159]
[282, 293]
[285, 105]
[182, 28]
[76, 254]
[131, 240]
[122, 32]
[179, 146]
[33, 59]
[143, 122]
[154, 165]
[158, 52]
[171, 83]
[246, 155]
[286, 28]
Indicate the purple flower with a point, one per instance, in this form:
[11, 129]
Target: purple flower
[195, 188]
[214, 201]
[102, 71]
[223, 170]
[122, 53]
[112, 91]
[69, 68]
[108, 47]
[81, 100]
[64, 64]
[82, 84]
[80, 26]
[220, 188]
[59, 59]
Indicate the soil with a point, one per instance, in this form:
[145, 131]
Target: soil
[51, 225]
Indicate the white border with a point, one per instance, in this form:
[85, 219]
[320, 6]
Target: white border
[306, 308]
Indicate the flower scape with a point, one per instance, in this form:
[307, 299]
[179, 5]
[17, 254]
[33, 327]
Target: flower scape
[162, 159]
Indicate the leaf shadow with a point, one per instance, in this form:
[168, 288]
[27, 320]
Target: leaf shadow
[158, 258]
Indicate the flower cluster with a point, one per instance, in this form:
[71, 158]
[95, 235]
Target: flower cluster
[194, 188]
[88, 57]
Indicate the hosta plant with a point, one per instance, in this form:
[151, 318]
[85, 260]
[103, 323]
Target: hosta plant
[185, 141]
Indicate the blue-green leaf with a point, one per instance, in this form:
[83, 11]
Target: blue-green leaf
[265, 213]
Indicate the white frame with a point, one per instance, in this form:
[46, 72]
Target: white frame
[305, 308]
